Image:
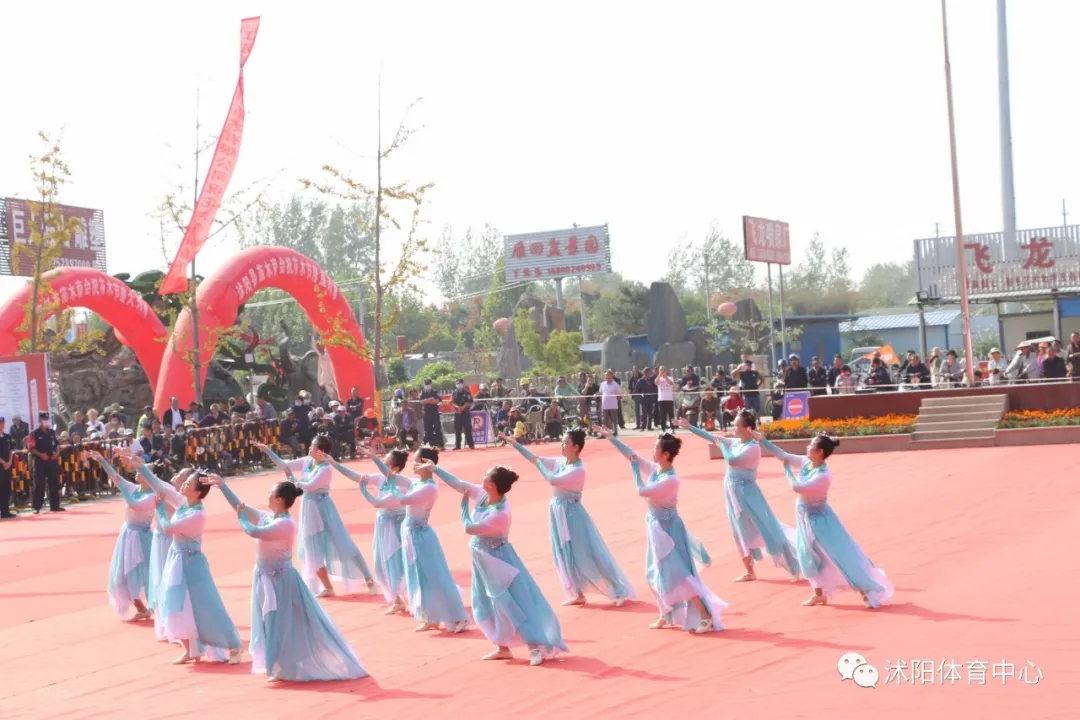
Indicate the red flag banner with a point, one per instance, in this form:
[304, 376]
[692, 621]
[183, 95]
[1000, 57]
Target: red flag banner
[219, 175]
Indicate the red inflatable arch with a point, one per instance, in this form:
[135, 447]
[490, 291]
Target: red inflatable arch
[131, 317]
[219, 298]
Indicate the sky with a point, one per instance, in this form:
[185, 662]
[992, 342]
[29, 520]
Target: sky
[830, 115]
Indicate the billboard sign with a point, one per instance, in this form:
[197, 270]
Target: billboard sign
[767, 241]
[1034, 261]
[24, 387]
[558, 254]
[85, 249]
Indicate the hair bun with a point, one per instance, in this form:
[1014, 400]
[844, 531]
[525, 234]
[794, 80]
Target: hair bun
[835, 441]
[299, 490]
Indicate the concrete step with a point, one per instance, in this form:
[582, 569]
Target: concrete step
[952, 443]
[988, 400]
[976, 411]
[919, 435]
[959, 422]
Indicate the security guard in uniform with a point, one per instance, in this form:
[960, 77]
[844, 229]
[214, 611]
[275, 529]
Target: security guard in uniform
[7, 445]
[45, 447]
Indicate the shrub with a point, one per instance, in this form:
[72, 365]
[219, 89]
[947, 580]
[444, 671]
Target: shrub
[883, 425]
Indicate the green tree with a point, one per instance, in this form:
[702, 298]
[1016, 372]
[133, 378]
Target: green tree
[621, 312]
[49, 234]
[387, 278]
[821, 283]
[888, 284]
[334, 236]
[502, 297]
[560, 354]
[467, 264]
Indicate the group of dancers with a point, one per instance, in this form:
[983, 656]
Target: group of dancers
[164, 574]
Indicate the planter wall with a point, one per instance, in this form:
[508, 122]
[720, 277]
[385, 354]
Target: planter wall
[1047, 397]
[852, 444]
[1059, 435]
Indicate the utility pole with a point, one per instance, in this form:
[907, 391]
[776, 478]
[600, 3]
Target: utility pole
[1008, 194]
[1064, 215]
[193, 305]
[961, 260]
[708, 288]
[937, 230]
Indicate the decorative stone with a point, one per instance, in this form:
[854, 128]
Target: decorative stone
[508, 360]
[675, 356]
[642, 360]
[615, 354]
[665, 320]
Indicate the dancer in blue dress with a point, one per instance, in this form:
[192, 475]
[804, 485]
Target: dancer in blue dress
[326, 549]
[129, 572]
[682, 597]
[189, 601]
[828, 556]
[292, 637]
[753, 523]
[507, 604]
[387, 555]
[159, 546]
[434, 597]
[582, 559]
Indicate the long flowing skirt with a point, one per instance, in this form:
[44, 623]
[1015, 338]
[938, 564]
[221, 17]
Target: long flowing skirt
[389, 565]
[129, 572]
[325, 543]
[672, 576]
[756, 528]
[433, 595]
[159, 551]
[292, 637]
[191, 605]
[832, 561]
[582, 559]
[508, 607]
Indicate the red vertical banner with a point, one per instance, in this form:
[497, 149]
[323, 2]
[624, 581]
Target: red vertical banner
[219, 175]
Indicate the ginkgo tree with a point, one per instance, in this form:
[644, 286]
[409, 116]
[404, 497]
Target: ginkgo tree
[388, 278]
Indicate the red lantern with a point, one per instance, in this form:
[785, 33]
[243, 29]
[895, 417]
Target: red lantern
[402, 345]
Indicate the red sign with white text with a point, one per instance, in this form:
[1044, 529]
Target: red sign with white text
[86, 248]
[767, 241]
[558, 254]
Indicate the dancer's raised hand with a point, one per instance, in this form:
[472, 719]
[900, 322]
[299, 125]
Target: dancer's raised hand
[683, 423]
[605, 431]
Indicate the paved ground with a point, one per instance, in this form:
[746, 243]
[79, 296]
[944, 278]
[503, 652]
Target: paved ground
[978, 542]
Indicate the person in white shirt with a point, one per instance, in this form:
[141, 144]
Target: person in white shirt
[665, 401]
[610, 393]
[996, 367]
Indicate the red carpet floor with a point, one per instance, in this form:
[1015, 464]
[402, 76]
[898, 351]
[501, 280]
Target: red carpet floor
[978, 542]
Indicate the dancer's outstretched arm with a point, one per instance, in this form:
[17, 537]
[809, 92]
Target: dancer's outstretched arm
[474, 491]
[275, 529]
[164, 490]
[289, 466]
[188, 525]
[813, 485]
[417, 494]
[494, 524]
[251, 513]
[126, 487]
[785, 457]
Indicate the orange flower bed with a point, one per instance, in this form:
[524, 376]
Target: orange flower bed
[881, 425]
[1040, 418]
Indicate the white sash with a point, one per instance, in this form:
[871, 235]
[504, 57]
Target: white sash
[560, 522]
[269, 595]
[661, 542]
[497, 574]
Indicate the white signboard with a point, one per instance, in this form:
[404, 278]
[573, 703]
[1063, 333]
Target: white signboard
[15, 394]
[1037, 260]
[558, 254]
